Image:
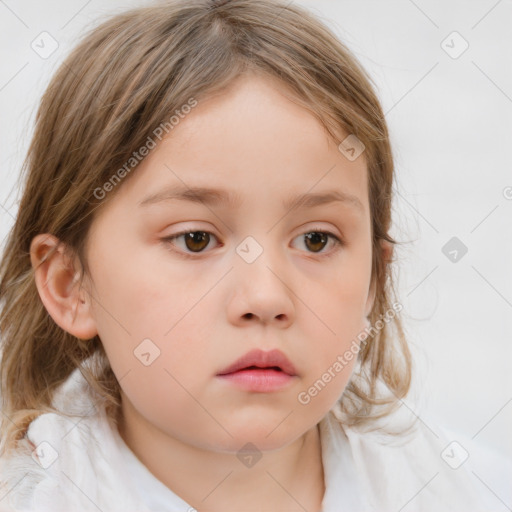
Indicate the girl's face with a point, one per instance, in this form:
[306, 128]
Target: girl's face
[173, 311]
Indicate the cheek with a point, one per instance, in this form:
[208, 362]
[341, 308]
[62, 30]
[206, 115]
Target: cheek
[152, 322]
[334, 334]
[332, 362]
[339, 304]
[139, 298]
[328, 386]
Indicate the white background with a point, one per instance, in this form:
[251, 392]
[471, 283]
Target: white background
[451, 127]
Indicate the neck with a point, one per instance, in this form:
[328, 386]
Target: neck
[290, 478]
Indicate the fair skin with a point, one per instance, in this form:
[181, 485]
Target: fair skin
[206, 310]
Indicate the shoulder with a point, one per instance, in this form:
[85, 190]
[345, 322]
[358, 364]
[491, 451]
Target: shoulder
[31, 470]
[67, 462]
[423, 468]
[19, 476]
[42, 469]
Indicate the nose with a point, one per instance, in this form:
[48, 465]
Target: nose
[261, 292]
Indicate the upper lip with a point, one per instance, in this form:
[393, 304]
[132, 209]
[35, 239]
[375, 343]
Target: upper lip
[261, 359]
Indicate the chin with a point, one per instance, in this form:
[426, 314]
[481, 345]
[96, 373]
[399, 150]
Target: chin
[264, 436]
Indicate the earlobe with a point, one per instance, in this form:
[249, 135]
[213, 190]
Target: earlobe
[387, 251]
[57, 279]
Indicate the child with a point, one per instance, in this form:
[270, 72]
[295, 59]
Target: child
[197, 290]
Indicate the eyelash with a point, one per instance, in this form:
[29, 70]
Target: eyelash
[338, 242]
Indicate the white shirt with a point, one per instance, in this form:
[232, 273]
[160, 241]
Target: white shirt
[84, 464]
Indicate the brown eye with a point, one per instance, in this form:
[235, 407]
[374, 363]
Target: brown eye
[195, 241]
[316, 240]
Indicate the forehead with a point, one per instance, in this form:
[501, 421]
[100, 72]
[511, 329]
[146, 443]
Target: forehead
[254, 142]
[255, 108]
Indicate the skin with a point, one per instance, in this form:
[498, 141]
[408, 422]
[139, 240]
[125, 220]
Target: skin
[205, 311]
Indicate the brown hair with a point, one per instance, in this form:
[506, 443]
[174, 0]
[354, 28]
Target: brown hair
[125, 78]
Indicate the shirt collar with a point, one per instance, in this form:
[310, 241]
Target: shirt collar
[342, 487]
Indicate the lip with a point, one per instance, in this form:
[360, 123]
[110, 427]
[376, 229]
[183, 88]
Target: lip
[260, 371]
[261, 359]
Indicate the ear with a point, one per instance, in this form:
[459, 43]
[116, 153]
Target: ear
[387, 254]
[57, 283]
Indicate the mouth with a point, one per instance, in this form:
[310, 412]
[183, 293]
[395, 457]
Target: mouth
[257, 359]
[260, 371]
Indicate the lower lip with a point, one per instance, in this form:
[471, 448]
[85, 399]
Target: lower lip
[262, 381]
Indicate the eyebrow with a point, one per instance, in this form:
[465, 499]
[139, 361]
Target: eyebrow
[216, 197]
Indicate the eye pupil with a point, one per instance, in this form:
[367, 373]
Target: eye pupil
[316, 238]
[197, 237]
